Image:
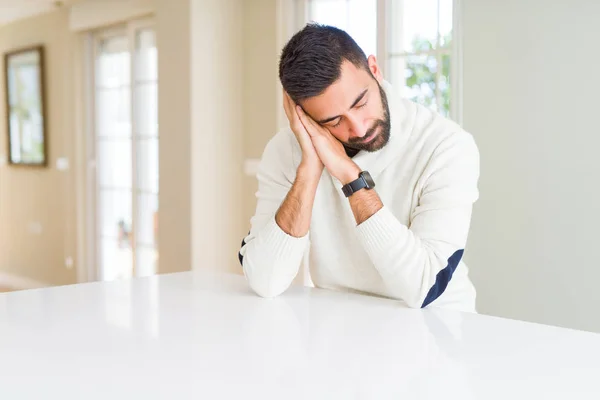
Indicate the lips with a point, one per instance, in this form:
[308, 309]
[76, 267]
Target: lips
[372, 136]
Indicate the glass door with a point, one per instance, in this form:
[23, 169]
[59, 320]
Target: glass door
[125, 152]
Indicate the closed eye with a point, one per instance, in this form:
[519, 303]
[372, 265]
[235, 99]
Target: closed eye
[338, 123]
[339, 120]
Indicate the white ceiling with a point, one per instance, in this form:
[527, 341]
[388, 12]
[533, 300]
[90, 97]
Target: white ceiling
[13, 10]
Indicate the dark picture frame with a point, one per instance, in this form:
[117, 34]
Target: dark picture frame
[26, 117]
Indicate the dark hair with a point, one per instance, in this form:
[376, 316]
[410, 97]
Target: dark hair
[312, 60]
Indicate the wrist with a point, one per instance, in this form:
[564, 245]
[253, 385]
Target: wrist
[349, 173]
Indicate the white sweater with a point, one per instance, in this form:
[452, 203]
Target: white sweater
[410, 250]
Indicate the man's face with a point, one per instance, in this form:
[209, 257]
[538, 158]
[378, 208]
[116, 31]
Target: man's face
[354, 108]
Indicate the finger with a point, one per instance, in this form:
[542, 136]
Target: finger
[309, 121]
[292, 114]
[300, 113]
[286, 98]
[312, 126]
[287, 104]
[294, 120]
[302, 134]
[304, 120]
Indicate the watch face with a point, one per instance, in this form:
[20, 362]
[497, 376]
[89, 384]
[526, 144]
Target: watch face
[367, 177]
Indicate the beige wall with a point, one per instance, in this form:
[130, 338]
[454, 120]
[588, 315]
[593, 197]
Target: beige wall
[41, 196]
[174, 116]
[227, 51]
[259, 90]
[261, 57]
[217, 102]
[202, 122]
[217, 132]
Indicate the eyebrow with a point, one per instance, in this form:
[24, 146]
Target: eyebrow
[358, 99]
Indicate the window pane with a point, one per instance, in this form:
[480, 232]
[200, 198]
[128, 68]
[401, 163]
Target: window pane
[330, 12]
[146, 56]
[114, 163]
[147, 165]
[416, 75]
[146, 132]
[444, 85]
[113, 116]
[362, 24]
[112, 67]
[445, 23]
[357, 17]
[115, 215]
[126, 98]
[414, 25]
[147, 222]
[117, 260]
[146, 109]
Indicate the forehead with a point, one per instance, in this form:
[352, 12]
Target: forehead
[340, 95]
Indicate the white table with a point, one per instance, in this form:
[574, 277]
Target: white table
[207, 336]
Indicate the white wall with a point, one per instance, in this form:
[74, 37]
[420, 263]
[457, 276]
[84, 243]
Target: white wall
[531, 99]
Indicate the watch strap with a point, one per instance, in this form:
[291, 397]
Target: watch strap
[360, 183]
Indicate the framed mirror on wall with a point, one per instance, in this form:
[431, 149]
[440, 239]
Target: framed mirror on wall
[26, 107]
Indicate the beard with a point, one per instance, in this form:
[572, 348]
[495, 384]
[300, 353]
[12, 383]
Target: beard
[381, 129]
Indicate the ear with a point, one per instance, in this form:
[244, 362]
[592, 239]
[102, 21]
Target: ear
[375, 70]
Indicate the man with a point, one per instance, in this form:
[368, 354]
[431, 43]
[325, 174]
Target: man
[377, 190]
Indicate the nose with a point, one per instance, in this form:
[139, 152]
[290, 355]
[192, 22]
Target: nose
[357, 126]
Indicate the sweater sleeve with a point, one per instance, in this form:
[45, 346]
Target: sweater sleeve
[270, 257]
[417, 261]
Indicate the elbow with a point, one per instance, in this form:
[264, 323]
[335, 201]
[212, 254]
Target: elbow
[429, 287]
[264, 290]
[421, 297]
[407, 289]
[413, 294]
[265, 285]
[415, 303]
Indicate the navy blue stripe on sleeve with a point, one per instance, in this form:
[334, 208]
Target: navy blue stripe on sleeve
[240, 256]
[443, 278]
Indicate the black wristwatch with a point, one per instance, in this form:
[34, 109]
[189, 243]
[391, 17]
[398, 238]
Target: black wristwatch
[364, 181]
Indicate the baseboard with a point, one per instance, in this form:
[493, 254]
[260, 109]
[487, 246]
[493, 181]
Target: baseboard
[19, 282]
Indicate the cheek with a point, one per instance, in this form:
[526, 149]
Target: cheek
[368, 114]
[375, 111]
[340, 132]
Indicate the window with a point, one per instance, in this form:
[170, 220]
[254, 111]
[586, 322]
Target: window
[412, 39]
[420, 51]
[357, 17]
[125, 152]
